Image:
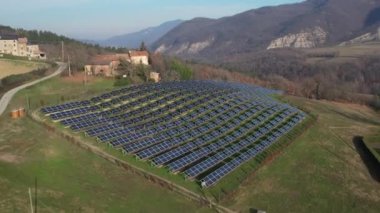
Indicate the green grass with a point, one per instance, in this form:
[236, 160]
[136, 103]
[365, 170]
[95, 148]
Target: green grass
[57, 91]
[13, 57]
[178, 179]
[70, 178]
[233, 180]
[321, 171]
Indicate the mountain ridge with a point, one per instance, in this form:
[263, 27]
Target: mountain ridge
[254, 30]
[133, 40]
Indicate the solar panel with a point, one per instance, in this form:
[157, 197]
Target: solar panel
[189, 126]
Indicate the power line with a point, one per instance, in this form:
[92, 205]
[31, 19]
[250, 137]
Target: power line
[68, 59]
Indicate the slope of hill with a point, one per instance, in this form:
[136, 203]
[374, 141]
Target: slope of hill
[14, 67]
[133, 40]
[312, 23]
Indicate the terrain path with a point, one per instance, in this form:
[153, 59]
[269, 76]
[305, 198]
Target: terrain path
[7, 97]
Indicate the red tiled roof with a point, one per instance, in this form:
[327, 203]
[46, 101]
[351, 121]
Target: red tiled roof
[135, 53]
[107, 58]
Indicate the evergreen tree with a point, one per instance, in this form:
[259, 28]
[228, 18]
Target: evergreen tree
[143, 47]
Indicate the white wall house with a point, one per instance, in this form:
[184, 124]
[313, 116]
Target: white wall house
[18, 46]
[139, 57]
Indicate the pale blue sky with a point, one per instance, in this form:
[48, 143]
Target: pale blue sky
[98, 19]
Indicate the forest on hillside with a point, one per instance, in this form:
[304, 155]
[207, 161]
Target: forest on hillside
[288, 69]
[355, 81]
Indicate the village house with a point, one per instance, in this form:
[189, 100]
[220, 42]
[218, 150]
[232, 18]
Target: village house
[107, 64]
[139, 57]
[18, 46]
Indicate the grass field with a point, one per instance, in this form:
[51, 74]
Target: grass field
[59, 90]
[347, 53]
[70, 178]
[11, 67]
[319, 172]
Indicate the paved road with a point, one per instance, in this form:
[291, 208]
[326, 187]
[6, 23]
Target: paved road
[7, 97]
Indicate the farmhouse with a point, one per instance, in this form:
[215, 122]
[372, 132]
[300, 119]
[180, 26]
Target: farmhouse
[139, 57]
[18, 46]
[107, 64]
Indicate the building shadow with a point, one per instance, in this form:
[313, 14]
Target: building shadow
[367, 157]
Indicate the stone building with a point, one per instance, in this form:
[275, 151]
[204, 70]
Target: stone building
[139, 57]
[9, 44]
[106, 64]
[18, 46]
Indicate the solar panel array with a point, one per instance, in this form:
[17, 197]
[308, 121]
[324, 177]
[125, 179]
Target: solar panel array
[202, 129]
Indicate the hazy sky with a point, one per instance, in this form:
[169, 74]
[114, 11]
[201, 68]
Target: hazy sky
[98, 19]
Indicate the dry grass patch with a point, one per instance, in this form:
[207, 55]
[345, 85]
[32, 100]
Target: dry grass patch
[13, 67]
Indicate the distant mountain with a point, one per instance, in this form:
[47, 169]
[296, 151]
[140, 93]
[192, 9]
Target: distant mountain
[312, 23]
[133, 40]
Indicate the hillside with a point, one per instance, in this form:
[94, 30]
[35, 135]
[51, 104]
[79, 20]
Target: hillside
[321, 171]
[325, 153]
[133, 40]
[323, 49]
[312, 23]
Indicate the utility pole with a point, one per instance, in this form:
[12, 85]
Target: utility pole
[27, 102]
[35, 195]
[85, 76]
[68, 59]
[30, 199]
[63, 52]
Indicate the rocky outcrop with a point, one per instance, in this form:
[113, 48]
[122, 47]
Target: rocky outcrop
[186, 48]
[199, 46]
[308, 38]
[307, 24]
[363, 38]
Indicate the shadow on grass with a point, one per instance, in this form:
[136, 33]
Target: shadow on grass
[369, 160]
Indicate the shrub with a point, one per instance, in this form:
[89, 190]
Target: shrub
[183, 70]
[14, 80]
[122, 82]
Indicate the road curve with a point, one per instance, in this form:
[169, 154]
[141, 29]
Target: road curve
[7, 97]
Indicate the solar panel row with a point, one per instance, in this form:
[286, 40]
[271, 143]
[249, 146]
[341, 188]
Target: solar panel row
[204, 129]
[216, 175]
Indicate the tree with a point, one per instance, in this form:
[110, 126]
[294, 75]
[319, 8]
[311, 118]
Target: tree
[143, 47]
[182, 69]
[125, 68]
[143, 72]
